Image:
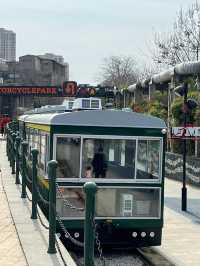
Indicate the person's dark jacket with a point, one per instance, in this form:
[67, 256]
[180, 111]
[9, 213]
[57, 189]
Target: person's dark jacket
[99, 164]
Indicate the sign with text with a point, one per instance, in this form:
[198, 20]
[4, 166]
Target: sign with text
[69, 89]
[185, 132]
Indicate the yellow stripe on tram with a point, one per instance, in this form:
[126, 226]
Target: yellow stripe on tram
[38, 126]
[44, 182]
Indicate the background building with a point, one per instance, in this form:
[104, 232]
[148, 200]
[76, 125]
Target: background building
[57, 58]
[28, 71]
[7, 45]
[37, 70]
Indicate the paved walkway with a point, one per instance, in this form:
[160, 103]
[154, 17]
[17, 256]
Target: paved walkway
[181, 234]
[23, 241]
[10, 246]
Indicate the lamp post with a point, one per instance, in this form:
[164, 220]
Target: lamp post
[188, 104]
[184, 188]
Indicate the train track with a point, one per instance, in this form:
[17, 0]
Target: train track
[114, 258]
[131, 257]
[154, 258]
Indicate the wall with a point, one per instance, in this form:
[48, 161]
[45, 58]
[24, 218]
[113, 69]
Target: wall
[174, 168]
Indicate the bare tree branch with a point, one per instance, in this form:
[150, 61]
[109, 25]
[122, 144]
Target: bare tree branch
[119, 71]
[183, 43]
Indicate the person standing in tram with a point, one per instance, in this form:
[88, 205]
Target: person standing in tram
[99, 164]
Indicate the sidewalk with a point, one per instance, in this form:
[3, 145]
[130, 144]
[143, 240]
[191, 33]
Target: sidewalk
[181, 234]
[24, 242]
[10, 246]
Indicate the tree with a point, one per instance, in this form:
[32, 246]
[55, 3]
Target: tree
[156, 107]
[119, 71]
[183, 43]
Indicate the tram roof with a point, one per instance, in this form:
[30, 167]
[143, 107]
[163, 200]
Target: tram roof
[98, 118]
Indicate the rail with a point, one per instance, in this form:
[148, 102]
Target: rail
[26, 174]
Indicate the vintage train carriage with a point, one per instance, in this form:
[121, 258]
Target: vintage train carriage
[123, 152]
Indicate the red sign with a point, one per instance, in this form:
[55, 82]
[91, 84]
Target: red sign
[185, 132]
[28, 90]
[69, 89]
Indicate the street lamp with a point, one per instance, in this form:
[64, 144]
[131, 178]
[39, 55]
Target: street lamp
[188, 104]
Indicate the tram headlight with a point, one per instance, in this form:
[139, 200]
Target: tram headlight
[152, 234]
[66, 235]
[76, 235]
[143, 234]
[134, 234]
[164, 131]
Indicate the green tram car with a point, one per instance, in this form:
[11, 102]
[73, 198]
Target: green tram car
[130, 149]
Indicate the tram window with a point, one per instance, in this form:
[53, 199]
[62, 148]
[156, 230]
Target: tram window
[34, 142]
[113, 202]
[68, 157]
[108, 158]
[148, 159]
[21, 129]
[128, 202]
[43, 152]
[31, 138]
[47, 157]
[28, 136]
[37, 140]
[75, 197]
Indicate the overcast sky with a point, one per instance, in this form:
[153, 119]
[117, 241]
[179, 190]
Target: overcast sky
[86, 31]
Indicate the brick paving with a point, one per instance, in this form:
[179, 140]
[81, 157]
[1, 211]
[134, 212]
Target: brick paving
[11, 252]
[23, 241]
[181, 232]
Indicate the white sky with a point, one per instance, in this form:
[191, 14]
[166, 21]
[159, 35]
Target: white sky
[86, 31]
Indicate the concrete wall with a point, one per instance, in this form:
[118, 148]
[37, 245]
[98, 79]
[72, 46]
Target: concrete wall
[174, 168]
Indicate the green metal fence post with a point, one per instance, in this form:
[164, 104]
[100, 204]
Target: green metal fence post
[7, 139]
[90, 189]
[34, 183]
[24, 150]
[13, 153]
[10, 147]
[17, 181]
[6, 133]
[8, 143]
[52, 165]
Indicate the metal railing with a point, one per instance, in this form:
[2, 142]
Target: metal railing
[16, 149]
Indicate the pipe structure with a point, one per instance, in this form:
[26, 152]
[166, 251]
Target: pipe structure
[134, 87]
[182, 69]
[164, 76]
[188, 68]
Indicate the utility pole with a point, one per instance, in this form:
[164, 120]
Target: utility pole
[184, 189]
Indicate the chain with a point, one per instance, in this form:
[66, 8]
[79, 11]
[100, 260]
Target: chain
[67, 234]
[98, 243]
[20, 166]
[42, 223]
[41, 197]
[28, 197]
[66, 203]
[26, 174]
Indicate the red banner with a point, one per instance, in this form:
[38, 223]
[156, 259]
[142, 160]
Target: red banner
[69, 89]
